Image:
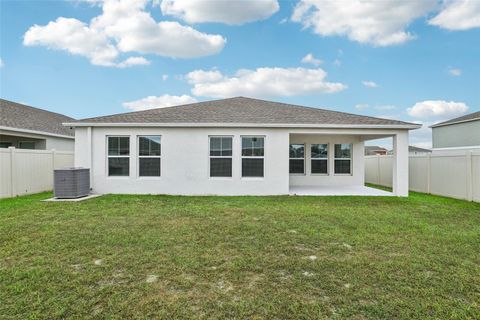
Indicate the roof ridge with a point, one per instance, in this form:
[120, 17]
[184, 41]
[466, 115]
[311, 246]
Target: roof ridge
[324, 109]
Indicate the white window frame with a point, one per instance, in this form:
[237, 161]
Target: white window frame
[323, 159]
[219, 157]
[120, 156]
[304, 157]
[351, 160]
[139, 156]
[252, 157]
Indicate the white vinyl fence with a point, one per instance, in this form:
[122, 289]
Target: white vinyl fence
[29, 171]
[454, 174]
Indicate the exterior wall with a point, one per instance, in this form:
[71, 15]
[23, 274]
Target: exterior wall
[82, 148]
[308, 179]
[185, 159]
[60, 144]
[463, 134]
[185, 162]
[42, 142]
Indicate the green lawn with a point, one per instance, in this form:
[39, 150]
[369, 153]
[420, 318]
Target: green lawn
[240, 257]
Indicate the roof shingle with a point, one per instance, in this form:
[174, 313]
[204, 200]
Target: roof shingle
[19, 116]
[467, 117]
[242, 110]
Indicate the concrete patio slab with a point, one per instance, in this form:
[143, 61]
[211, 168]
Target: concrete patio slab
[337, 191]
[90, 196]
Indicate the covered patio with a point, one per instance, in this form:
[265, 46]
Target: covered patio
[330, 162]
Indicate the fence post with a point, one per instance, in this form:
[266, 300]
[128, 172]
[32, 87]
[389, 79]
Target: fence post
[13, 187]
[469, 175]
[429, 172]
[54, 154]
[378, 169]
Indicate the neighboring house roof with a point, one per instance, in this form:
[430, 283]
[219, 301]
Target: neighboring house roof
[465, 118]
[25, 118]
[373, 150]
[417, 149]
[241, 110]
[412, 149]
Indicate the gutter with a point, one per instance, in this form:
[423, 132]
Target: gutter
[408, 126]
[43, 133]
[447, 124]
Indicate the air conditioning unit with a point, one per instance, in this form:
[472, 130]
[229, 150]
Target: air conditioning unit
[71, 183]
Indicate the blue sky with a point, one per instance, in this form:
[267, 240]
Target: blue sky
[415, 61]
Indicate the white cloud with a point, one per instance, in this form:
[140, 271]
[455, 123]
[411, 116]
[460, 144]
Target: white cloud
[309, 58]
[75, 37]
[262, 82]
[1, 63]
[421, 137]
[123, 27]
[361, 106]
[437, 109]
[165, 77]
[369, 84]
[133, 61]
[381, 23]
[201, 76]
[458, 15]
[164, 101]
[233, 12]
[455, 72]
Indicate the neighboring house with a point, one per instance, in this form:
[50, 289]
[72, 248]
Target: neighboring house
[461, 132]
[375, 150]
[236, 146]
[414, 151]
[25, 127]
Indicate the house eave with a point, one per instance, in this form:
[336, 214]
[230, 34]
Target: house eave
[246, 125]
[43, 133]
[450, 123]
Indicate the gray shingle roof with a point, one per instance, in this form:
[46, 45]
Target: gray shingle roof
[467, 117]
[16, 115]
[242, 110]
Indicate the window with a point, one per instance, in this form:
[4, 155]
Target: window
[118, 156]
[220, 156]
[26, 145]
[252, 156]
[5, 144]
[297, 158]
[149, 152]
[343, 158]
[319, 158]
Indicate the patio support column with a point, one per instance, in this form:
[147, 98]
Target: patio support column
[400, 164]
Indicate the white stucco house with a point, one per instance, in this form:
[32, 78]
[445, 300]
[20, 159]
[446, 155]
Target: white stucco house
[236, 146]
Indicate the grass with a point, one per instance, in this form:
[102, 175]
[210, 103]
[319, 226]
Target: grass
[240, 257]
